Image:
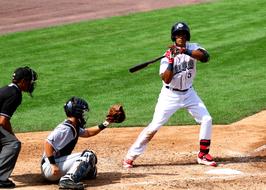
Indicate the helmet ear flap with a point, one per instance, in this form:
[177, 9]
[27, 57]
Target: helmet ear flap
[75, 107]
[68, 107]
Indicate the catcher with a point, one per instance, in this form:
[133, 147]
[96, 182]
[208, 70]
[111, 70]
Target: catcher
[57, 162]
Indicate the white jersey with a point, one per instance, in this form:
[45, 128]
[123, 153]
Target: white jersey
[184, 69]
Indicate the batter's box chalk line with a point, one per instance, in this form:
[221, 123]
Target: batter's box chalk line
[224, 171]
[261, 148]
[236, 154]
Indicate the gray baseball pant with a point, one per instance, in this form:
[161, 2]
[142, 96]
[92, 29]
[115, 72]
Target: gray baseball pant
[9, 150]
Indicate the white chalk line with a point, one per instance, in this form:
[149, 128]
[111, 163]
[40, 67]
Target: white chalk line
[261, 148]
[185, 178]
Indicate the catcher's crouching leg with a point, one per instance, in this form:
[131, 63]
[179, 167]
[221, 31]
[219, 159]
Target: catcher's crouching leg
[92, 170]
[83, 168]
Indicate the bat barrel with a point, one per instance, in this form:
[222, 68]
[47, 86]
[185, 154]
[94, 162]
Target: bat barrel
[143, 65]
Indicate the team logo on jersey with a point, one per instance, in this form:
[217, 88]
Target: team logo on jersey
[183, 66]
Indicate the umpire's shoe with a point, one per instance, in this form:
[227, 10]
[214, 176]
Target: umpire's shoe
[7, 184]
[69, 184]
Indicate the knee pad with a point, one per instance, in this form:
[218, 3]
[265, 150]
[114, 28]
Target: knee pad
[90, 157]
[85, 166]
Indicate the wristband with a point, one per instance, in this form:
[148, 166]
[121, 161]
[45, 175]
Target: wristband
[188, 52]
[103, 125]
[51, 159]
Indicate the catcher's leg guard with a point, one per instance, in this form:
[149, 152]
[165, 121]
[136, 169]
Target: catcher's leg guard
[92, 169]
[91, 156]
[92, 173]
[81, 167]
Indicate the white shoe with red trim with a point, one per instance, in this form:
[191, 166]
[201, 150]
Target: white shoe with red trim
[127, 163]
[206, 159]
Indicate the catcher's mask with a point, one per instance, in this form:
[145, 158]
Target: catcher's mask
[78, 108]
[177, 27]
[27, 74]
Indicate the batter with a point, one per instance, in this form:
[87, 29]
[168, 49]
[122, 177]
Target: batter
[177, 71]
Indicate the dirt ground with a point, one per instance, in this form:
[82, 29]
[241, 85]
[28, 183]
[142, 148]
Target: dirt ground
[30, 14]
[170, 159]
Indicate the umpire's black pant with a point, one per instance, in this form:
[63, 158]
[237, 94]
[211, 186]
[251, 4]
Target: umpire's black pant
[9, 151]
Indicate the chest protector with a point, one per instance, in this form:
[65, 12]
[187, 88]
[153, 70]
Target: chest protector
[67, 150]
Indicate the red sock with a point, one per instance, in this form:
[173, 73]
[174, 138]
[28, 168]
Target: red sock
[204, 146]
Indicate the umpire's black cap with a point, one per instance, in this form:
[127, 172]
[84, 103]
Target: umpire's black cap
[24, 73]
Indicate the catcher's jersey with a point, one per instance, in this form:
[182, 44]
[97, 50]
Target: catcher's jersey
[184, 69]
[64, 138]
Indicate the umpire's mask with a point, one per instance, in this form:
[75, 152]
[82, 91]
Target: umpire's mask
[28, 75]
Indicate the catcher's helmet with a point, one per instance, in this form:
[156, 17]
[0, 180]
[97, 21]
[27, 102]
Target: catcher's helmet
[77, 107]
[27, 74]
[180, 26]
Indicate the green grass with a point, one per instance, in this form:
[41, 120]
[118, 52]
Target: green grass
[91, 60]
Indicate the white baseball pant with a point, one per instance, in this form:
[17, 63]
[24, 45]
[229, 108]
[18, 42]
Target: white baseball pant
[168, 103]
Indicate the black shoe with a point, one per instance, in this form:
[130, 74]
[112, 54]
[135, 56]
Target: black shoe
[7, 184]
[69, 184]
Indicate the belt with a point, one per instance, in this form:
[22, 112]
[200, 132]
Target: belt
[176, 89]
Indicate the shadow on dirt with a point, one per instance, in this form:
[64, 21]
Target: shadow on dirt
[246, 159]
[179, 163]
[31, 180]
[103, 178]
[107, 178]
[219, 160]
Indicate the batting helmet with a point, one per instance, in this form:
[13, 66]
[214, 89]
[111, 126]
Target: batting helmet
[180, 26]
[77, 107]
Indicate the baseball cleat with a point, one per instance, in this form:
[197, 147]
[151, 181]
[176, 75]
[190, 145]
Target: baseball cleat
[7, 184]
[206, 159]
[69, 184]
[127, 163]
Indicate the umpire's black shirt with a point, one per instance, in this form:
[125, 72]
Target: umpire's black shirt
[10, 99]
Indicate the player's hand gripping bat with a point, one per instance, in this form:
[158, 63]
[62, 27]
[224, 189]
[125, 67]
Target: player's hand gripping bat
[170, 53]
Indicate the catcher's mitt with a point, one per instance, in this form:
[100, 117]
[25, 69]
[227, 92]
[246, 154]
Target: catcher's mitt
[116, 114]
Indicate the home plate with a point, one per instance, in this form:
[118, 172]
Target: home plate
[224, 171]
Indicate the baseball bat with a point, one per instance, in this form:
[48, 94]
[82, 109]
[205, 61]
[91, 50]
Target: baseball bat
[143, 65]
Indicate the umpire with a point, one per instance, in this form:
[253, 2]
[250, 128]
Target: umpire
[23, 80]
